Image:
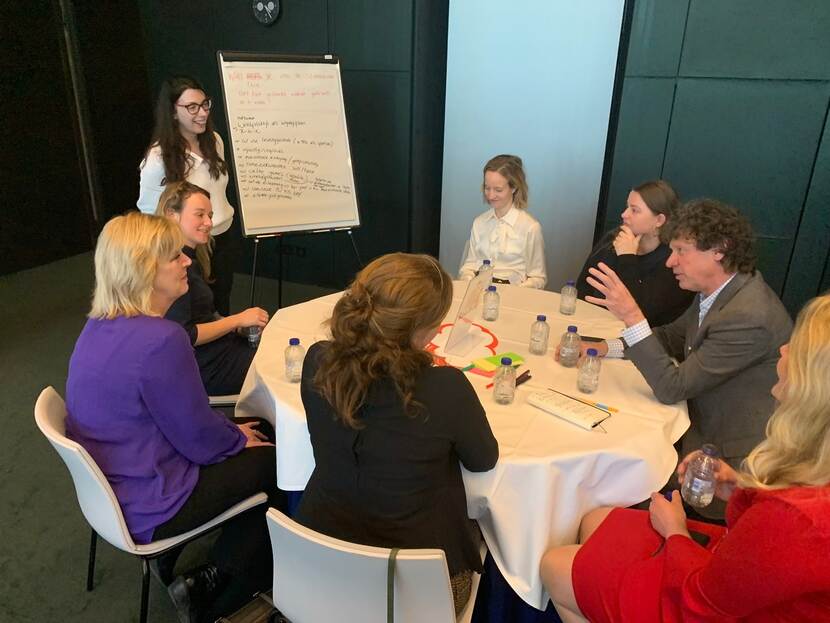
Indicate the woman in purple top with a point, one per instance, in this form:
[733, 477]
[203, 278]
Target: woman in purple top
[136, 403]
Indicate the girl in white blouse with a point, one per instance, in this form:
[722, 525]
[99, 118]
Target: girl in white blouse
[506, 234]
[185, 147]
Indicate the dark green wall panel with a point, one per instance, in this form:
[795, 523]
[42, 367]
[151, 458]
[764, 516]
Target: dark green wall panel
[297, 30]
[179, 42]
[641, 139]
[812, 249]
[788, 39]
[656, 37]
[379, 136]
[749, 143]
[773, 256]
[380, 40]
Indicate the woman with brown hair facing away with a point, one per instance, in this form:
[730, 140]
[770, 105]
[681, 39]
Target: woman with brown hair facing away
[637, 251]
[387, 428]
[771, 565]
[223, 355]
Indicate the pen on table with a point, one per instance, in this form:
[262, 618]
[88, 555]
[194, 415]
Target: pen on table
[590, 403]
[524, 376]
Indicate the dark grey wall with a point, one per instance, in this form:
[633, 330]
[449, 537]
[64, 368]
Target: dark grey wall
[729, 99]
[393, 63]
[44, 205]
[46, 200]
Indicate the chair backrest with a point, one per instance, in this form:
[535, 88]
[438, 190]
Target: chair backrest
[319, 578]
[97, 499]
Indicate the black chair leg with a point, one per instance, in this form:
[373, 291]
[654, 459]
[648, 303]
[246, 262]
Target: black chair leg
[90, 570]
[145, 589]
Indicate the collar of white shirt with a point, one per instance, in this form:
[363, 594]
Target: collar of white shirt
[197, 159]
[706, 303]
[510, 217]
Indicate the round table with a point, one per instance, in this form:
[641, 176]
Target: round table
[549, 473]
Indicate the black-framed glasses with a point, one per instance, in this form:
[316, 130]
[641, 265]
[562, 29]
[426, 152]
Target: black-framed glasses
[193, 107]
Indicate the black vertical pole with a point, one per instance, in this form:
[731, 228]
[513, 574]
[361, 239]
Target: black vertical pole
[253, 271]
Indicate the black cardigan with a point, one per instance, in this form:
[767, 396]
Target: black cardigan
[396, 482]
[650, 282]
[224, 362]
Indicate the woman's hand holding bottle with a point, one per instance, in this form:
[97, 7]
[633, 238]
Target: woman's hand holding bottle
[251, 317]
[726, 478]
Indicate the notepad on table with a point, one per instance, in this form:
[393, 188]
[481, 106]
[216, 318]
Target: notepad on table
[569, 409]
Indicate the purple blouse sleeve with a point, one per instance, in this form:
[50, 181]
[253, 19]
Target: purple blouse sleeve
[176, 399]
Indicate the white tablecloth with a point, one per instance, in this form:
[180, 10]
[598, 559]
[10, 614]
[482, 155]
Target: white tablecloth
[549, 474]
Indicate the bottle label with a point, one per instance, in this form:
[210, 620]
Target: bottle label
[698, 485]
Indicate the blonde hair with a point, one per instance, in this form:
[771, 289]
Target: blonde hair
[127, 256]
[173, 198]
[373, 325]
[797, 448]
[510, 167]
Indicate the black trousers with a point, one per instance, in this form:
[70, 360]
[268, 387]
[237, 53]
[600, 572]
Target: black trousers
[224, 363]
[223, 264]
[243, 549]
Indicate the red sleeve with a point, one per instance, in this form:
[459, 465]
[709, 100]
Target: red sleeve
[772, 555]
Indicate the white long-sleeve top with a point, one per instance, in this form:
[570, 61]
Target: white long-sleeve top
[513, 244]
[151, 186]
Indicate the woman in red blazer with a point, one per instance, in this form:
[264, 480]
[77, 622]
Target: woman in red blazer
[773, 561]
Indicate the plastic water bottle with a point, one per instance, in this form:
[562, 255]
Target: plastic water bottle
[485, 265]
[504, 385]
[699, 482]
[490, 308]
[253, 334]
[587, 379]
[294, 355]
[567, 299]
[569, 347]
[539, 332]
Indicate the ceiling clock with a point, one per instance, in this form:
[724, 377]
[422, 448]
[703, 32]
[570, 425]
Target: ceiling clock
[266, 11]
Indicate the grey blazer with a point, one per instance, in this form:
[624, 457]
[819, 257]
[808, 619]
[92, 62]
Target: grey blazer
[726, 367]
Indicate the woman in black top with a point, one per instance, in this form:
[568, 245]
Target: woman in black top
[387, 428]
[637, 252]
[223, 355]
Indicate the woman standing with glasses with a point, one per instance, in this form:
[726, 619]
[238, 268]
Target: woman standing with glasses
[185, 147]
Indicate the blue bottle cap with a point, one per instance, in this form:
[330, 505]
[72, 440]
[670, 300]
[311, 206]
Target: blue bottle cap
[506, 361]
[486, 262]
[491, 289]
[570, 282]
[710, 449]
[294, 341]
[541, 317]
[592, 352]
[572, 328]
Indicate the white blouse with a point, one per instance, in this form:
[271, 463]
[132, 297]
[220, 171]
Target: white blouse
[151, 186]
[513, 244]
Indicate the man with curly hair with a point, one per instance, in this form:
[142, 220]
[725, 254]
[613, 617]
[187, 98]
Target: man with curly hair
[720, 355]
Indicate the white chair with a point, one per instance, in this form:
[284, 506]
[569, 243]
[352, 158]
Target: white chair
[224, 400]
[98, 502]
[319, 578]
